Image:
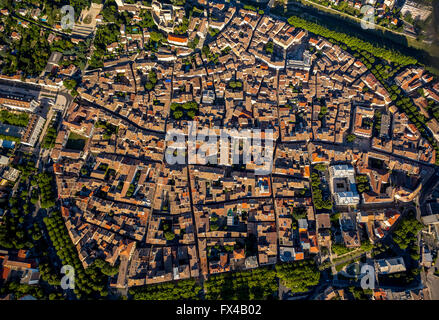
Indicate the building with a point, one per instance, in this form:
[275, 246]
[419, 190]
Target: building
[418, 11]
[178, 40]
[343, 185]
[166, 16]
[11, 174]
[33, 130]
[18, 103]
[208, 96]
[385, 126]
[390, 3]
[389, 266]
[287, 254]
[363, 121]
[303, 64]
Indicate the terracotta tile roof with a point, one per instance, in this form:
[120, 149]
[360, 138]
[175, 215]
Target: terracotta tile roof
[176, 38]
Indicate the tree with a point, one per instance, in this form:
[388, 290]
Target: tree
[156, 36]
[299, 212]
[269, 47]
[169, 235]
[13, 118]
[191, 114]
[182, 290]
[320, 167]
[351, 137]
[110, 12]
[194, 43]
[149, 86]
[298, 276]
[177, 114]
[206, 51]
[69, 83]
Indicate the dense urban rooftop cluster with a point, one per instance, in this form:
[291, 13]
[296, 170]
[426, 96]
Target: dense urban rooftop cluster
[347, 162]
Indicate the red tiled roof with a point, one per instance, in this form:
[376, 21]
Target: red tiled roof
[175, 38]
[5, 273]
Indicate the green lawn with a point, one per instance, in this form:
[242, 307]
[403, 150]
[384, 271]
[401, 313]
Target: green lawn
[76, 141]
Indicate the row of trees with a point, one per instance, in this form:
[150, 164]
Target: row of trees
[255, 284]
[50, 137]
[362, 183]
[90, 282]
[182, 290]
[10, 138]
[45, 187]
[317, 193]
[20, 231]
[352, 42]
[16, 230]
[262, 283]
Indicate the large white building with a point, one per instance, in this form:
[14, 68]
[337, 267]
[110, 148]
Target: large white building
[343, 184]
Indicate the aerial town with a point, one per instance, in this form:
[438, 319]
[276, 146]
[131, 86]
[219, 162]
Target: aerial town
[85, 115]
